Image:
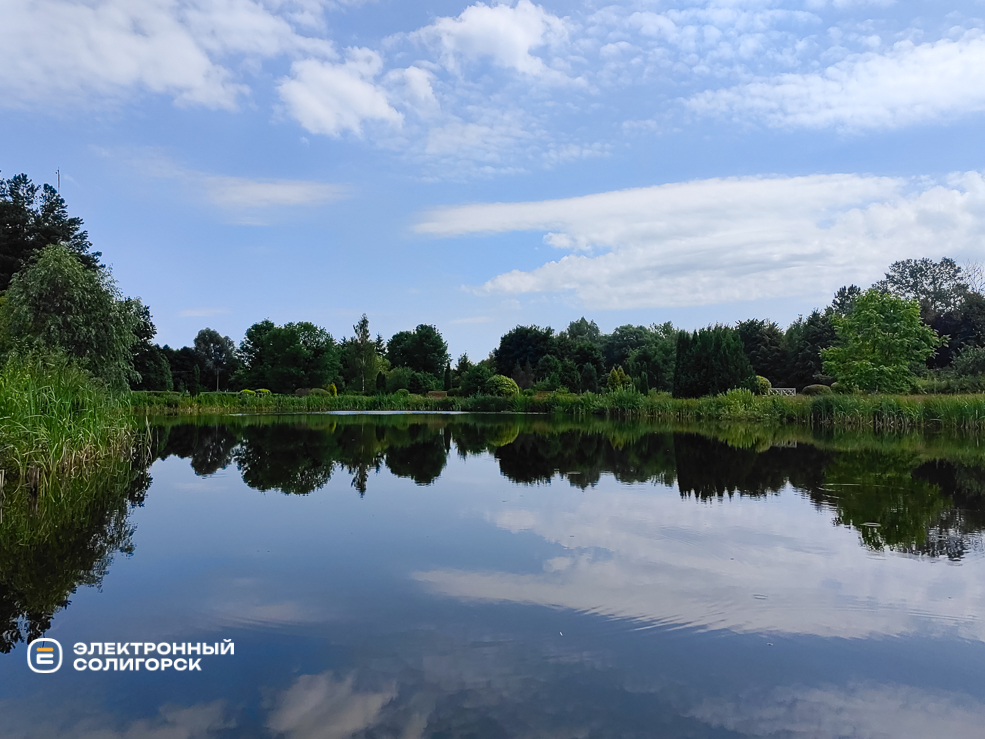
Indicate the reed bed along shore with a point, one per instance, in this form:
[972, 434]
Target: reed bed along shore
[57, 422]
[875, 412]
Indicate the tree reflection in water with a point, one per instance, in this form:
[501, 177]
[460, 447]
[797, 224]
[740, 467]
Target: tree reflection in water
[56, 541]
[917, 495]
[900, 494]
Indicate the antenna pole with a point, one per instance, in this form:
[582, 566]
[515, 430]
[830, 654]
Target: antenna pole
[58, 174]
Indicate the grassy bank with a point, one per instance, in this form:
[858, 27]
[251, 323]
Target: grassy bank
[877, 412]
[57, 422]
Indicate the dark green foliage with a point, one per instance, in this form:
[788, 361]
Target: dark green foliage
[183, 363]
[709, 362]
[446, 385]
[655, 358]
[970, 362]
[360, 357]
[380, 382]
[589, 379]
[218, 355]
[617, 346]
[937, 286]
[422, 350]
[523, 375]
[763, 343]
[31, 218]
[150, 362]
[521, 346]
[805, 338]
[404, 378]
[844, 299]
[583, 330]
[962, 327]
[56, 304]
[569, 377]
[284, 358]
[474, 380]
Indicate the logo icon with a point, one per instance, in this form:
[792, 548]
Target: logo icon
[44, 655]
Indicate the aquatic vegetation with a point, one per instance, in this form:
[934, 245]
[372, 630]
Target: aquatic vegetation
[57, 421]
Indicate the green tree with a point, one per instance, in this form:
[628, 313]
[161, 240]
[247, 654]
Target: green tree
[149, 363]
[422, 350]
[763, 343]
[618, 379]
[474, 379]
[285, 358]
[522, 345]
[31, 218]
[617, 346]
[937, 286]
[709, 362]
[364, 362]
[583, 330]
[877, 343]
[502, 386]
[218, 353]
[589, 379]
[58, 304]
[844, 299]
[804, 339]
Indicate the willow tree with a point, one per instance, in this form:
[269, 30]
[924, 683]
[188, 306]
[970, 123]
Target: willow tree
[59, 304]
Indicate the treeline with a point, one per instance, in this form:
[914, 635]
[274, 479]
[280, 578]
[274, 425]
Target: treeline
[923, 326]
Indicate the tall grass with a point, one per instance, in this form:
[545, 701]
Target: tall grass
[876, 412]
[56, 421]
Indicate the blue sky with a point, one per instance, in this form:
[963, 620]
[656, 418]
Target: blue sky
[476, 166]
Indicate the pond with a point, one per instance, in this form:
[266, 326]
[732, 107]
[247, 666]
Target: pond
[486, 576]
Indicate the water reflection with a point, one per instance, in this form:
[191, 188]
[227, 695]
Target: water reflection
[898, 494]
[64, 538]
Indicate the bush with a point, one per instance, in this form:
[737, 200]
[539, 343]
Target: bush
[319, 391]
[502, 386]
[969, 362]
[763, 386]
[263, 391]
[247, 391]
[402, 393]
[332, 390]
[817, 390]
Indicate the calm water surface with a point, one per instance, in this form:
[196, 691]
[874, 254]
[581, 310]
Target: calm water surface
[479, 576]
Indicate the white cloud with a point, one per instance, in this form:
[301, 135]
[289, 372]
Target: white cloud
[321, 707]
[63, 52]
[644, 556]
[237, 195]
[722, 240]
[504, 34]
[333, 98]
[910, 84]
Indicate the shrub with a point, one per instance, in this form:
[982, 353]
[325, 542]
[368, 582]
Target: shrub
[502, 386]
[319, 391]
[302, 392]
[817, 390]
[763, 386]
[332, 390]
[969, 362]
[247, 391]
[402, 392]
[263, 391]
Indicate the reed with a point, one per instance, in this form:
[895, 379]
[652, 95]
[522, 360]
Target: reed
[875, 412]
[57, 421]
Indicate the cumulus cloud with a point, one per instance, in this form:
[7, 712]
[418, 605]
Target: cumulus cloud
[330, 99]
[910, 84]
[506, 35]
[721, 240]
[69, 52]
